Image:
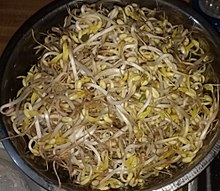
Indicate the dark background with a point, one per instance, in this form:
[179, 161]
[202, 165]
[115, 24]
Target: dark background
[13, 13]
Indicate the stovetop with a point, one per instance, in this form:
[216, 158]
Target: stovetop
[209, 180]
[215, 174]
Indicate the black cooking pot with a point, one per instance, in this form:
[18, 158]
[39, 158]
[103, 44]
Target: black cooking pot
[19, 56]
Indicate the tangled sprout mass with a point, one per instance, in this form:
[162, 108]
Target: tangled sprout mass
[117, 97]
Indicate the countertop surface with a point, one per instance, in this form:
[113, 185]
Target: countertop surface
[13, 14]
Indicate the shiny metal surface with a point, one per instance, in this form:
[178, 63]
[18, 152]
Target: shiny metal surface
[210, 7]
[193, 186]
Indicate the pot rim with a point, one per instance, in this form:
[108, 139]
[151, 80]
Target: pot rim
[170, 185]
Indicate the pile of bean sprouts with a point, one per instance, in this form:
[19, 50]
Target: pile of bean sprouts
[117, 97]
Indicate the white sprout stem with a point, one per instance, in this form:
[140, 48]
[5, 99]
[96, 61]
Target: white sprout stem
[38, 128]
[110, 174]
[186, 127]
[98, 88]
[30, 143]
[105, 31]
[22, 97]
[84, 68]
[87, 143]
[146, 104]
[56, 129]
[73, 64]
[107, 72]
[208, 123]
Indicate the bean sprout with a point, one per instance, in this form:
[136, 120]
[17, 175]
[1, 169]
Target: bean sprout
[117, 97]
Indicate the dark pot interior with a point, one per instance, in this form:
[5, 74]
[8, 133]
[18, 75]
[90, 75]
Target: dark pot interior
[19, 56]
